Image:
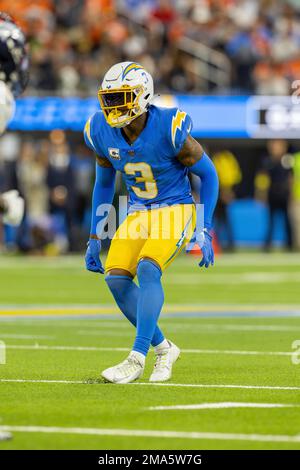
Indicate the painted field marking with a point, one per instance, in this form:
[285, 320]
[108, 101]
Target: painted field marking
[36, 347]
[153, 433]
[237, 352]
[221, 405]
[153, 384]
[17, 336]
[60, 311]
[243, 387]
[42, 381]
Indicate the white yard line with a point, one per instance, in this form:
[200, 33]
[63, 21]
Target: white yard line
[221, 405]
[152, 384]
[237, 352]
[42, 381]
[152, 433]
[36, 347]
[16, 336]
[243, 387]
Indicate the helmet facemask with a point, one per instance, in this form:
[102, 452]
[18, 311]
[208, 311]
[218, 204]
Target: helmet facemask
[14, 61]
[120, 106]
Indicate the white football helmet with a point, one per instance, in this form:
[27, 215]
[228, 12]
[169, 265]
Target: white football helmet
[126, 93]
[7, 106]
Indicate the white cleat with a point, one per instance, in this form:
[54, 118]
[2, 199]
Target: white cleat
[127, 371]
[165, 358]
[5, 436]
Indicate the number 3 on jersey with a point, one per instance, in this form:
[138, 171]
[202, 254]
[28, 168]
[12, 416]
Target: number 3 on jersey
[145, 176]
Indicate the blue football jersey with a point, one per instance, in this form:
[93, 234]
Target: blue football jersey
[152, 173]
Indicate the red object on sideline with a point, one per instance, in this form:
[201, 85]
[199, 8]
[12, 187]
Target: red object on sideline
[196, 251]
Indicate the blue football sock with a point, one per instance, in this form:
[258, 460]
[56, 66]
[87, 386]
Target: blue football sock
[150, 302]
[126, 293]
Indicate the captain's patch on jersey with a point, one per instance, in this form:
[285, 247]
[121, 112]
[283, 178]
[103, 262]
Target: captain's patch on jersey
[114, 153]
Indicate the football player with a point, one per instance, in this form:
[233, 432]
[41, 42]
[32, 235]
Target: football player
[153, 149]
[13, 80]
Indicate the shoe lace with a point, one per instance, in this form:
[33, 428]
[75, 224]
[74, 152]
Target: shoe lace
[161, 360]
[128, 366]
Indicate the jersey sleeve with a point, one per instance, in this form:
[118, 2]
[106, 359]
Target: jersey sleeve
[88, 135]
[92, 137]
[180, 127]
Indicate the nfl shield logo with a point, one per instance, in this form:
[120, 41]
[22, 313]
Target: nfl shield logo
[114, 153]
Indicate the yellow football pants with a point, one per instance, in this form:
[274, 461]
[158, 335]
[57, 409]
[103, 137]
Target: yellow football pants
[159, 234]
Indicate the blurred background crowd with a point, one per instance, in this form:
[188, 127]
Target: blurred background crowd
[255, 49]
[73, 41]
[55, 174]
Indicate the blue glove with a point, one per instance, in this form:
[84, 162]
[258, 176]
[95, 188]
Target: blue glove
[92, 259]
[206, 248]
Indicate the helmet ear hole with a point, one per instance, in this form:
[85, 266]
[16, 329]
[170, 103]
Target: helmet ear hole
[147, 96]
[137, 91]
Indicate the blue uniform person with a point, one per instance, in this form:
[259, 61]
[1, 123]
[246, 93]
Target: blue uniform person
[154, 151]
[13, 80]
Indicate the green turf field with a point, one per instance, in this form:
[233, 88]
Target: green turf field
[253, 278]
[235, 373]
